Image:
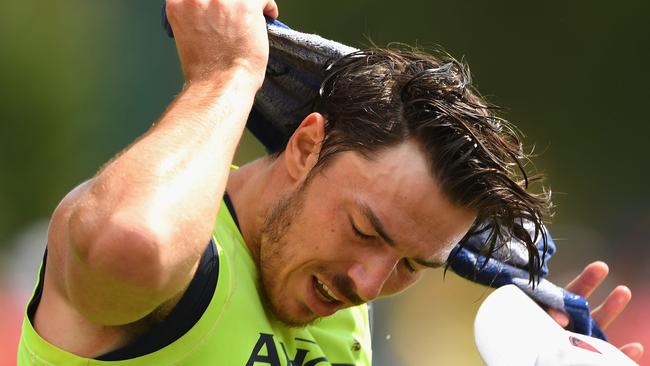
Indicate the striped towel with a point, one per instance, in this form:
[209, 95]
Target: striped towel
[296, 67]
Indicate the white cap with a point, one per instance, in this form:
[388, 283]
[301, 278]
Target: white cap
[512, 330]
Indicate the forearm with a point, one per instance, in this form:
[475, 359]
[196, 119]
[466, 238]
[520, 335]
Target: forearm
[175, 175]
[146, 217]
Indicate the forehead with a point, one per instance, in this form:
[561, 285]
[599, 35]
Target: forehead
[398, 185]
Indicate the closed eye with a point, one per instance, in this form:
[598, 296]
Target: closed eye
[409, 266]
[358, 232]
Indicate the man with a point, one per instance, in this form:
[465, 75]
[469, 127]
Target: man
[399, 162]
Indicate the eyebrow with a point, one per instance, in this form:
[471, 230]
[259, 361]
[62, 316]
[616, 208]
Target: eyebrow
[381, 231]
[376, 223]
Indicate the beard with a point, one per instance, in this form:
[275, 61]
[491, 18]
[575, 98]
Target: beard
[273, 252]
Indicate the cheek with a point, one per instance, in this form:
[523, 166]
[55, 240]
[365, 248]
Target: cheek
[316, 237]
[324, 230]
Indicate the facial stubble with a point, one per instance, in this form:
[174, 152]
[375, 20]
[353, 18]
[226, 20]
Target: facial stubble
[273, 251]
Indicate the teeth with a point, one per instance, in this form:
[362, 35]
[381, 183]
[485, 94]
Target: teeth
[329, 292]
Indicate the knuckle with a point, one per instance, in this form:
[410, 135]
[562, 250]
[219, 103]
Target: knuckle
[171, 7]
[180, 9]
[198, 4]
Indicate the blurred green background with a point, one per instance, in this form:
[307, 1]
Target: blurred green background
[80, 80]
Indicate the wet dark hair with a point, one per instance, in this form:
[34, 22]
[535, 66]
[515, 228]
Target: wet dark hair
[378, 98]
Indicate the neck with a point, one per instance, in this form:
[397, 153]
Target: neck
[252, 189]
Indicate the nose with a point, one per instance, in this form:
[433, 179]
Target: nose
[370, 273]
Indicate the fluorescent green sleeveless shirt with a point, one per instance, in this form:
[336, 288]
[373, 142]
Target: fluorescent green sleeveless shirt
[234, 330]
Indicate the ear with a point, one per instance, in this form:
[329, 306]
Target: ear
[303, 148]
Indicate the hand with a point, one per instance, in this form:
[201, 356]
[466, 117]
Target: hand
[585, 284]
[214, 36]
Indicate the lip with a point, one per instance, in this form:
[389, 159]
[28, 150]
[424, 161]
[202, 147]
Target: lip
[316, 304]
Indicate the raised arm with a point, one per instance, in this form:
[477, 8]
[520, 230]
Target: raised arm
[128, 240]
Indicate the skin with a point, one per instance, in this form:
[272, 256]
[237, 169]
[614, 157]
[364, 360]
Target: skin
[135, 232]
[605, 313]
[348, 254]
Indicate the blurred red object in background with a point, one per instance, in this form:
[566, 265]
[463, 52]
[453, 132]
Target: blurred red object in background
[11, 317]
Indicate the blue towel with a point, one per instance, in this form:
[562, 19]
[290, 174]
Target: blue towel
[296, 67]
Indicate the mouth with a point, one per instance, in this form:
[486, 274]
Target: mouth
[324, 301]
[324, 292]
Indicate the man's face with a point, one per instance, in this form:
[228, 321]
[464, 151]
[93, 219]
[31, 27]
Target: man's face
[357, 230]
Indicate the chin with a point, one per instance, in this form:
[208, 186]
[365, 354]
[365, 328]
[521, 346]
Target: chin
[291, 313]
[296, 316]
[293, 323]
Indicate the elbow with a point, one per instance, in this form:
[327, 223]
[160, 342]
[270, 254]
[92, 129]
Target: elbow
[120, 248]
[114, 266]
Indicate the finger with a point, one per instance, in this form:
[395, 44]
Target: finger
[590, 278]
[271, 9]
[560, 317]
[612, 307]
[634, 351]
